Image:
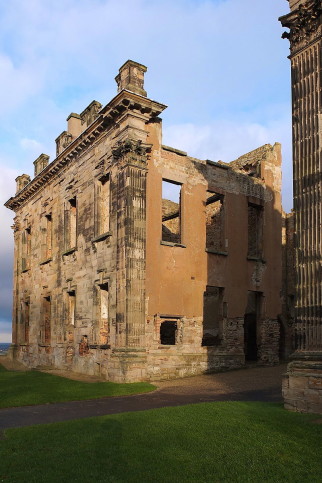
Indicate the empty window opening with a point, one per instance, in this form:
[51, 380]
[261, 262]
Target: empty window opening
[70, 223]
[171, 212]
[103, 313]
[71, 301]
[251, 318]
[213, 316]
[26, 249]
[24, 333]
[215, 222]
[49, 236]
[255, 231]
[168, 332]
[45, 328]
[103, 206]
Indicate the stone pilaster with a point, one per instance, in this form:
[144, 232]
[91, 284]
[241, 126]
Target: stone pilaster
[305, 35]
[128, 358]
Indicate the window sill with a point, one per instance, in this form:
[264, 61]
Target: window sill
[101, 237]
[46, 261]
[256, 259]
[99, 346]
[170, 244]
[216, 252]
[25, 270]
[69, 251]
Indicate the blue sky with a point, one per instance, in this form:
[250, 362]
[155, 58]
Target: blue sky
[220, 65]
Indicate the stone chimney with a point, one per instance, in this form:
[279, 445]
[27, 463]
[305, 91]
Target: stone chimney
[294, 4]
[131, 78]
[41, 163]
[74, 125]
[22, 181]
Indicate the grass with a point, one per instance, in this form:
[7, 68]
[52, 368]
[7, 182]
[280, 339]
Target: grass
[213, 442]
[32, 387]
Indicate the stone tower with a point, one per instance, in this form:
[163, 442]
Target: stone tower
[303, 383]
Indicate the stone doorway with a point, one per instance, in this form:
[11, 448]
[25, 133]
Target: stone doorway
[250, 337]
[251, 318]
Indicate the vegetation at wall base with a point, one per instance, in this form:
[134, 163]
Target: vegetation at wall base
[33, 387]
[208, 442]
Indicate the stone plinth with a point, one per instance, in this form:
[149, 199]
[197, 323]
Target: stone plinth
[302, 385]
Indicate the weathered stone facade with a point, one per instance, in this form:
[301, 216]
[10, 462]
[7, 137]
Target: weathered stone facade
[303, 382]
[115, 276]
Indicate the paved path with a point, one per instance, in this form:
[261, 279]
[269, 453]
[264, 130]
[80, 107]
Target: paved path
[253, 384]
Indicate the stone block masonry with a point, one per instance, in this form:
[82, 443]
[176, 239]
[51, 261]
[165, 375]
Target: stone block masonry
[115, 275]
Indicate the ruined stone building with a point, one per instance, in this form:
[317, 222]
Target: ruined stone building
[136, 261]
[303, 384]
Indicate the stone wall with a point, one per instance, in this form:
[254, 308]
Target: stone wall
[98, 290]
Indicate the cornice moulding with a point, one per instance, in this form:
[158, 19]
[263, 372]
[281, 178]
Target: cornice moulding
[107, 116]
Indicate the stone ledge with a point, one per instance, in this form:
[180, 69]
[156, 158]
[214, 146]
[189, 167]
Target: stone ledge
[69, 251]
[170, 244]
[256, 259]
[174, 150]
[216, 163]
[216, 252]
[101, 237]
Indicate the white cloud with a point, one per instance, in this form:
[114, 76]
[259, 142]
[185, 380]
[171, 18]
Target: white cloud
[17, 84]
[227, 140]
[220, 65]
[7, 189]
[30, 145]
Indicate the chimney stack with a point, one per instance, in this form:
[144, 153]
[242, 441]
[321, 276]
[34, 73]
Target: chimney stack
[22, 181]
[131, 78]
[41, 163]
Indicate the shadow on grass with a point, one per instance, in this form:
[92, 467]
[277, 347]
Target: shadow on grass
[33, 387]
[215, 442]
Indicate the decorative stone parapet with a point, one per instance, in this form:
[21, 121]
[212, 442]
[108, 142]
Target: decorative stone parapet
[90, 113]
[62, 141]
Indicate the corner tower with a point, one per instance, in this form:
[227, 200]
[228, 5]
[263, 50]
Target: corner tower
[303, 383]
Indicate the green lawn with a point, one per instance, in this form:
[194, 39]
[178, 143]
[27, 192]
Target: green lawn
[32, 387]
[213, 442]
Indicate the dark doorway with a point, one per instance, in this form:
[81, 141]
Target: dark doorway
[250, 337]
[251, 319]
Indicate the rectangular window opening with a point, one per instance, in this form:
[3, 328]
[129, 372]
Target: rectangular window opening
[49, 236]
[103, 206]
[168, 332]
[71, 306]
[26, 249]
[103, 313]
[215, 222]
[171, 211]
[24, 318]
[45, 328]
[213, 315]
[255, 230]
[71, 223]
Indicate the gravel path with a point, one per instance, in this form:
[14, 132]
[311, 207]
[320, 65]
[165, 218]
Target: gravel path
[251, 384]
